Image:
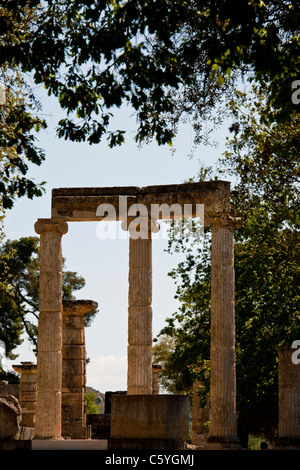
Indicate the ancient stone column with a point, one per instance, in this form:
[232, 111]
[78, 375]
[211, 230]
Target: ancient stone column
[27, 396]
[74, 367]
[289, 398]
[49, 360]
[223, 388]
[156, 370]
[139, 352]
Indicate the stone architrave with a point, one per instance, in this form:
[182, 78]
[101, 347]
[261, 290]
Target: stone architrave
[289, 398]
[49, 360]
[223, 427]
[27, 396]
[74, 367]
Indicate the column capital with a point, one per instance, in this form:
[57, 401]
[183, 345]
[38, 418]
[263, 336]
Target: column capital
[226, 220]
[27, 367]
[43, 225]
[78, 307]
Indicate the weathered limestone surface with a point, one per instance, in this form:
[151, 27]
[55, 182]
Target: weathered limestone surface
[49, 363]
[81, 203]
[10, 417]
[27, 396]
[9, 389]
[223, 387]
[289, 398]
[74, 367]
[136, 420]
[139, 373]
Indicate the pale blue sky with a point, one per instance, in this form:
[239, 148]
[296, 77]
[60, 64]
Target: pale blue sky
[104, 263]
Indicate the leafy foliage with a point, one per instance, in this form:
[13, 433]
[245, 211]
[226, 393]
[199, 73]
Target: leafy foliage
[264, 162]
[19, 120]
[19, 292]
[95, 56]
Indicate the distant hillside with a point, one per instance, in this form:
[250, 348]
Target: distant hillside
[100, 397]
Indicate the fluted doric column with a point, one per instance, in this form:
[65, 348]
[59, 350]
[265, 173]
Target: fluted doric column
[139, 352]
[49, 361]
[223, 383]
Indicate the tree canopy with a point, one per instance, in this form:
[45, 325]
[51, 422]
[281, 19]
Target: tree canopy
[20, 119]
[95, 56]
[264, 161]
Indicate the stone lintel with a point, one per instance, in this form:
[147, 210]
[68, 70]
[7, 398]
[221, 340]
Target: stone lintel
[78, 307]
[80, 204]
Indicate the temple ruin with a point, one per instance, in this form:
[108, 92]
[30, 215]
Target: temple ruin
[82, 204]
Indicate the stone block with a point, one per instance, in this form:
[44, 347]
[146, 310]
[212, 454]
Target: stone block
[28, 419]
[73, 351]
[27, 387]
[73, 322]
[73, 366]
[48, 324]
[28, 396]
[140, 286]
[100, 425]
[49, 424]
[137, 419]
[50, 370]
[140, 325]
[73, 397]
[74, 336]
[50, 285]
[71, 381]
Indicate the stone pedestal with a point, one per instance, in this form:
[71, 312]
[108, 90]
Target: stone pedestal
[74, 367]
[149, 422]
[223, 427]
[27, 394]
[49, 361]
[289, 399]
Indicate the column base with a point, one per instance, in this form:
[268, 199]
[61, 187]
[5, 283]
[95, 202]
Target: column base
[287, 443]
[43, 438]
[145, 444]
[219, 443]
